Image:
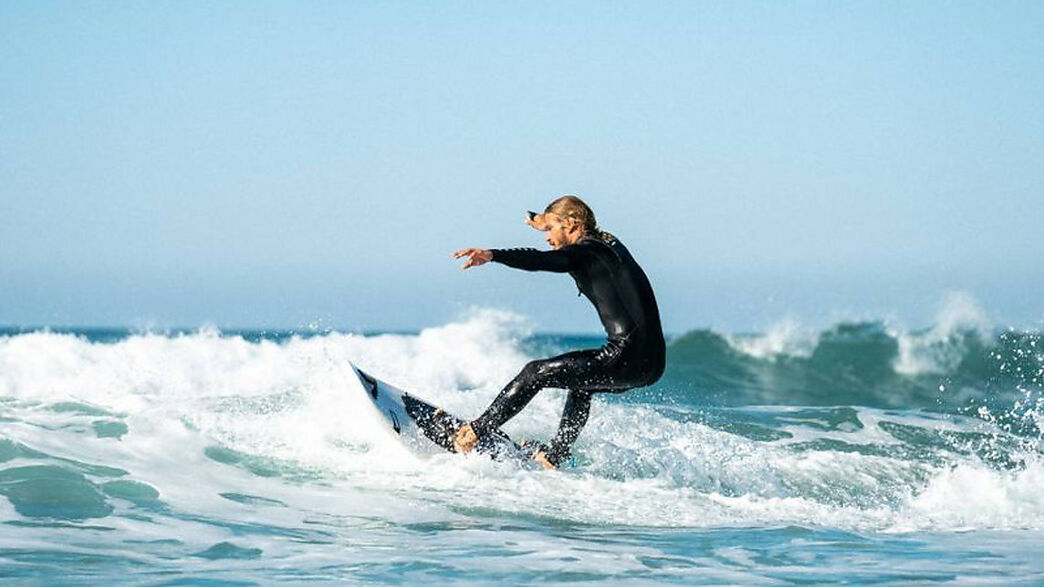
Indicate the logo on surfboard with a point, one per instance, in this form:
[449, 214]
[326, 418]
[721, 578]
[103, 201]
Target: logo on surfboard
[371, 382]
[395, 422]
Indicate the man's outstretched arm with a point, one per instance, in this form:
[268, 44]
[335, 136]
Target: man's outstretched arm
[558, 261]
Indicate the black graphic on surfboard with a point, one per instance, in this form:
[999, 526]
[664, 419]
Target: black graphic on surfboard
[370, 382]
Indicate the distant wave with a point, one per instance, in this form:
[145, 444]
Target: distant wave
[859, 363]
[961, 361]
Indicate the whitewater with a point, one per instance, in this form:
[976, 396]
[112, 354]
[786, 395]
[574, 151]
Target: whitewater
[861, 453]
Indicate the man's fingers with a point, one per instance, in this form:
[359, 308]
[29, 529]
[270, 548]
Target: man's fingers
[537, 222]
[475, 257]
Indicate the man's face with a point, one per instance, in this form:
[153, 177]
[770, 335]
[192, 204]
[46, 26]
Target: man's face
[559, 231]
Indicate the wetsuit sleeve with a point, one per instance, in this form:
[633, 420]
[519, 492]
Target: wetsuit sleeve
[559, 261]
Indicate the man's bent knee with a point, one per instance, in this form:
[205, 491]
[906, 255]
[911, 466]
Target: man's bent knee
[539, 371]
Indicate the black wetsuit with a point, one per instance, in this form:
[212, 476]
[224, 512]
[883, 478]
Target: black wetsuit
[633, 356]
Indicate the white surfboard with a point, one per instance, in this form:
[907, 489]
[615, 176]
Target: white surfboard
[426, 428]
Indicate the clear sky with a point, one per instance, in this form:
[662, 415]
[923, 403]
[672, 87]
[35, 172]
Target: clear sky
[285, 163]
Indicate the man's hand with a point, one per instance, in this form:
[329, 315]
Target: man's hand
[465, 440]
[475, 257]
[537, 221]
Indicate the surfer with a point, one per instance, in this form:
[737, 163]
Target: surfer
[605, 272]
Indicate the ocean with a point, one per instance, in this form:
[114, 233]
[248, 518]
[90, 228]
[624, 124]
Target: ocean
[861, 452]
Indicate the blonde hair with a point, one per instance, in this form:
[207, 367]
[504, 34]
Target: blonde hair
[570, 206]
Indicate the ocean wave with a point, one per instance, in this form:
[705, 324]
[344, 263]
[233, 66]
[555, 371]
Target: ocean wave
[176, 425]
[956, 363]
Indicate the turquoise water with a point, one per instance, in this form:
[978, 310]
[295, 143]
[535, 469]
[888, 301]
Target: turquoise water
[860, 453]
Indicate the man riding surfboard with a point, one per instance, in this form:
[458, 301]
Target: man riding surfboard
[604, 271]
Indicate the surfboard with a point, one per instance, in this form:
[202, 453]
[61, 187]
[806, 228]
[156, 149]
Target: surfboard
[426, 428]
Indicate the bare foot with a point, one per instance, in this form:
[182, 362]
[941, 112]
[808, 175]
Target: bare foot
[541, 458]
[465, 439]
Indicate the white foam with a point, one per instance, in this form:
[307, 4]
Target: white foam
[970, 495]
[784, 338]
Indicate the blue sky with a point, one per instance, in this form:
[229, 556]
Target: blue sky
[285, 163]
